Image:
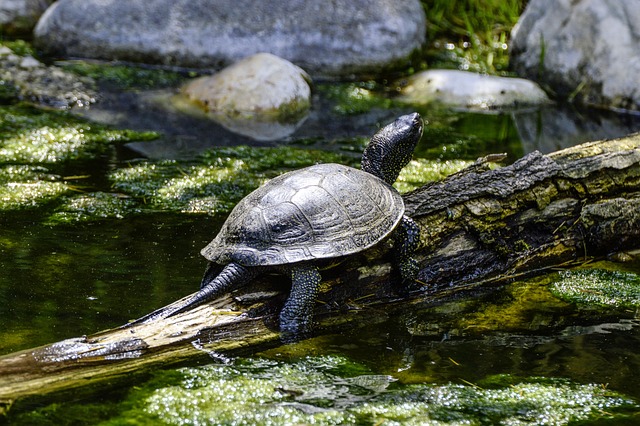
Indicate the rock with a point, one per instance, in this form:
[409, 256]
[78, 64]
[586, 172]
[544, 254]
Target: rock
[585, 49]
[20, 16]
[470, 90]
[261, 96]
[339, 37]
[29, 62]
[27, 79]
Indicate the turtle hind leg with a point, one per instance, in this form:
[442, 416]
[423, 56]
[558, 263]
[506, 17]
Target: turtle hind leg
[406, 244]
[213, 285]
[231, 277]
[296, 318]
[212, 271]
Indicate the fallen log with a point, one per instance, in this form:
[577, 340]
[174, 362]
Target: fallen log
[481, 228]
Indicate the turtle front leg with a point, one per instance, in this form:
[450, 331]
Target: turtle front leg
[407, 241]
[297, 315]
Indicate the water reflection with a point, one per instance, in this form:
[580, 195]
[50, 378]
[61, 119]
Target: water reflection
[457, 343]
[552, 129]
[187, 134]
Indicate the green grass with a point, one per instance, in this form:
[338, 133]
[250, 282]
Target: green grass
[474, 34]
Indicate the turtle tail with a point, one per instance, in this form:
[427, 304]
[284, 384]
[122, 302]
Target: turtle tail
[232, 276]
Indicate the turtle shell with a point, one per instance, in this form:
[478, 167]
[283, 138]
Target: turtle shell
[319, 212]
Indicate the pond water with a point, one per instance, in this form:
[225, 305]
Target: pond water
[517, 356]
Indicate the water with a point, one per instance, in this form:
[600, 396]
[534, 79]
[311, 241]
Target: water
[61, 281]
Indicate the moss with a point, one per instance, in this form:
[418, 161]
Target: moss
[524, 305]
[354, 98]
[29, 135]
[419, 171]
[94, 206]
[329, 390]
[23, 195]
[293, 111]
[598, 288]
[127, 77]
[215, 185]
[19, 47]
[26, 187]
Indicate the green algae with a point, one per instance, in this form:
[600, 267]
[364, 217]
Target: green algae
[24, 195]
[355, 98]
[598, 288]
[525, 305]
[421, 170]
[94, 206]
[127, 77]
[27, 187]
[33, 136]
[216, 184]
[331, 390]
[19, 47]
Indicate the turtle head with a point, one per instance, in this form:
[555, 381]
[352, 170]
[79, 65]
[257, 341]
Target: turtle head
[391, 148]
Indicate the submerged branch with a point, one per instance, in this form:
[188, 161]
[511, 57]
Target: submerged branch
[481, 228]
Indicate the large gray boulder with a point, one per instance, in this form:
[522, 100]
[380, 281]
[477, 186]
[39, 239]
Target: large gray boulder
[586, 49]
[325, 37]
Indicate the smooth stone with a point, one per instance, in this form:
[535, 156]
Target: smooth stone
[29, 62]
[469, 90]
[262, 96]
[585, 50]
[335, 38]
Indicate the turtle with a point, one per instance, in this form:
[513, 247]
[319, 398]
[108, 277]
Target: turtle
[301, 220]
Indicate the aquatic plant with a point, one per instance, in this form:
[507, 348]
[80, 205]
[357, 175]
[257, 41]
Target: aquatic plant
[419, 171]
[25, 187]
[217, 182]
[331, 390]
[127, 77]
[598, 287]
[93, 206]
[355, 98]
[33, 136]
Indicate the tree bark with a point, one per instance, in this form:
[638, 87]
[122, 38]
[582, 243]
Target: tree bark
[480, 228]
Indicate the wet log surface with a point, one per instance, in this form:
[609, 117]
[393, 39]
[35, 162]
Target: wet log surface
[481, 228]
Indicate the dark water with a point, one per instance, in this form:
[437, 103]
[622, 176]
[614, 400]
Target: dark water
[63, 281]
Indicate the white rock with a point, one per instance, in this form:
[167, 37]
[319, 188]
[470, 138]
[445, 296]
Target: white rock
[470, 90]
[29, 62]
[262, 88]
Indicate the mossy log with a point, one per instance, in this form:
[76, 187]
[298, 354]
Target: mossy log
[481, 228]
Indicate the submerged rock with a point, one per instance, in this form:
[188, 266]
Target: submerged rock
[470, 90]
[587, 50]
[262, 96]
[20, 16]
[330, 38]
